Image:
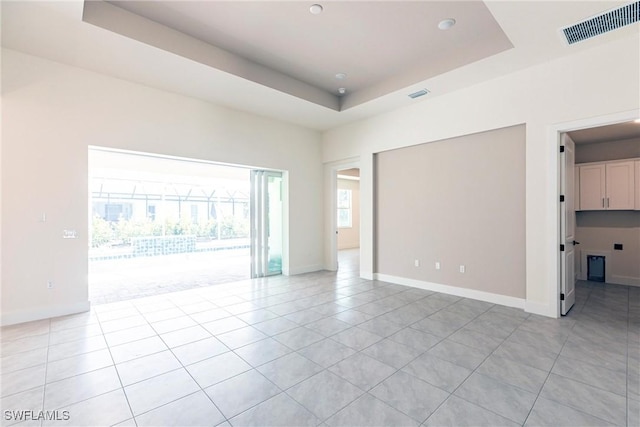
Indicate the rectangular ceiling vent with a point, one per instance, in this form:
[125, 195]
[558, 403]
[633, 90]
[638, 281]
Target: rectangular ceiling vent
[418, 94]
[603, 23]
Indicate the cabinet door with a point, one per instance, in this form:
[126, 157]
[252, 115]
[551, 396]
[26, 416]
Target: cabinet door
[576, 189]
[638, 185]
[592, 187]
[620, 186]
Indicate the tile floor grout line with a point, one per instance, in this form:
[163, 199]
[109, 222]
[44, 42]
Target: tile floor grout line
[548, 376]
[550, 372]
[452, 393]
[124, 392]
[46, 366]
[626, 377]
[320, 286]
[182, 367]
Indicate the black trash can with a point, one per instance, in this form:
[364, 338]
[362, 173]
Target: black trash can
[595, 268]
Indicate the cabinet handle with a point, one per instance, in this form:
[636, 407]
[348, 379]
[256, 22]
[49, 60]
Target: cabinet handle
[607, 202]
[603, 202]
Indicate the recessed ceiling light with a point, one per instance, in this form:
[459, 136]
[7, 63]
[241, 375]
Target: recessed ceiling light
[341, 76]
[316, 9]
[445, 24]
[342, 91]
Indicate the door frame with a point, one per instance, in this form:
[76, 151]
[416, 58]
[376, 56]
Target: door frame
[331, 204]
[554, 133]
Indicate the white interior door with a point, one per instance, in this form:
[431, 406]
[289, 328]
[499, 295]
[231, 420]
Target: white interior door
[568, 227]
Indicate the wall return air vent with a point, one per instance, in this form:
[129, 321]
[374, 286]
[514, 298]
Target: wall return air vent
[602, 23]
[418, 94]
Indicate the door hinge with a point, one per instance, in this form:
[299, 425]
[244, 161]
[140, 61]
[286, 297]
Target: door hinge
[562, 197]
[561, 248]
[562, 148]
[561, 297]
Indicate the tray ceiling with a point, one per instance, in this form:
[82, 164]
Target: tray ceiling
[380, 46]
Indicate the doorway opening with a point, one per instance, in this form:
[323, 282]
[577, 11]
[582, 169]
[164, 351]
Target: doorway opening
[159, 225]
[348, 221]
[599, 210]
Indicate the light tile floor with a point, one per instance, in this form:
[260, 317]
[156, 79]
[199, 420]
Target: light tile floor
[329, 349]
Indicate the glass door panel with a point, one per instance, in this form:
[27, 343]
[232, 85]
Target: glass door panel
[266, 223]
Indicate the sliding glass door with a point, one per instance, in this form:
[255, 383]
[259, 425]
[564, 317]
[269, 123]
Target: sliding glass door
[266, 223]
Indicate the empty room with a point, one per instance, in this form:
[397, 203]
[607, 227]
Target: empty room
[344, 213]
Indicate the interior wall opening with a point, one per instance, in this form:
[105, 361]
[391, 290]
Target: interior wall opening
[600, 199]
[159, 224]
[348, 220]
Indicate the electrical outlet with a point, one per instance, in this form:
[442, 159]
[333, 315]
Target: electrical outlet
[49, 284]
[417, 263]
[437, 265]
[462, 269]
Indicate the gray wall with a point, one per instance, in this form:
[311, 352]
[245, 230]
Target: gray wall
[613, 150]
[459, 201]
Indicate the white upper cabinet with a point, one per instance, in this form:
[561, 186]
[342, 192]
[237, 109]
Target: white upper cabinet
[621, 191]
[592, 187]
[608, 186]
[638, 185]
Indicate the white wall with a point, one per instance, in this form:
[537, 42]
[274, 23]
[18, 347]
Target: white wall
[53, 112]
[596, 82]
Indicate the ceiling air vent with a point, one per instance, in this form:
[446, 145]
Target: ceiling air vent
[418, 94]
[605, 22]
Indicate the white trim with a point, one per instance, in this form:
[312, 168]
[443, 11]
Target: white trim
[553, 189]
[349, 177]
[454, 290]
[540, 309]
[29, 315]
[368, 276]
[330, 223]
[305, 269]
[624, 280]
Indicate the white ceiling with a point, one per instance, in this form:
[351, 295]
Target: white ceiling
[184, 64]
[381, 46]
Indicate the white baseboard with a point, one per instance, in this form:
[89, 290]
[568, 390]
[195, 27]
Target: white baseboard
[367, 275]
[540, 309]
[29, 315]
[454, 290]
[624, 280]
[305, 269]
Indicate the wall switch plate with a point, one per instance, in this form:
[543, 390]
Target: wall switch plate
[462, 269]
[437, 265]
[69, 234]
[417, 263]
